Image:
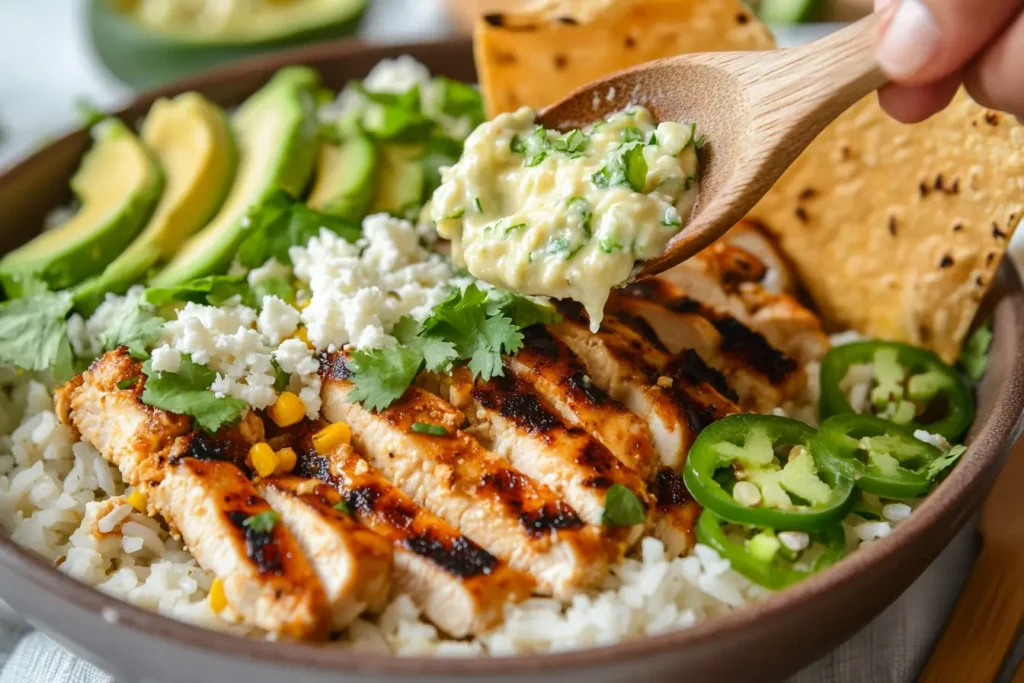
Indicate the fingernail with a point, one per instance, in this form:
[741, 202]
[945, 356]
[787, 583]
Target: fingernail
[911, 39]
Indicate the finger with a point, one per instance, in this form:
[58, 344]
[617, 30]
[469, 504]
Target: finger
[913, 103]
[994, 78]
[929, 39]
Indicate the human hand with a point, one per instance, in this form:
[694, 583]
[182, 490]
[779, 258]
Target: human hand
[931, 47]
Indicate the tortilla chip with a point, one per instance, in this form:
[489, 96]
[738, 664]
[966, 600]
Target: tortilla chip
[896, 231]
[535, 56]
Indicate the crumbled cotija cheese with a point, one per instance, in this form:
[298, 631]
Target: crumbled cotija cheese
[359, 291]
[225, 339]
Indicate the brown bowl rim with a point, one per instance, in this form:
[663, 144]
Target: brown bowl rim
[991, 438]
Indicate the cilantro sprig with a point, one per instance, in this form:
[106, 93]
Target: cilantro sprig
[281, 222]
[187, 392]
[136, 329]
[472, 327]
[33, 334]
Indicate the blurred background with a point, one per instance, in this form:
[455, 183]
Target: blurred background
[59, 57]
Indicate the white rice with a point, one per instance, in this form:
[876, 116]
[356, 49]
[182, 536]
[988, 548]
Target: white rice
[54, 492]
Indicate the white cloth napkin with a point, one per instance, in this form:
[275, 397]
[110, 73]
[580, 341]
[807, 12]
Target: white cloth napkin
[892, 649]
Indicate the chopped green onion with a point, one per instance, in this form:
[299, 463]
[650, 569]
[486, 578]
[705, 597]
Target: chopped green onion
[512, 228]
[263, 523]
[343, 506]
[427, 428]
[456, 214]
[476, 204]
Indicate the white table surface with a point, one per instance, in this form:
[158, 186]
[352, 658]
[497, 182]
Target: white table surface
[46, 63]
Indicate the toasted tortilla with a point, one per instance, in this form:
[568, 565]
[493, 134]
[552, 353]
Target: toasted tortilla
[536, 55]
[896, 231]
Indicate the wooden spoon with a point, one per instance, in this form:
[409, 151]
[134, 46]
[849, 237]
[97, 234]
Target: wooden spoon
[757, 111]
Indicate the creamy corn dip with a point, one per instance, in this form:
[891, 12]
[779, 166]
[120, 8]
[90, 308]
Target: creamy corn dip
[566, 215]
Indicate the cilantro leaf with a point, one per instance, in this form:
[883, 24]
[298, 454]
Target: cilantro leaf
[438, 151]
[281, 378]
[632, 134]
[973, 359]
[187, 392]
[382, 375]
[471, 325]
[635, 166]
[574, 143]
[459, 100]
[944, 462]
[496, 334]
[522, 310]
[274, 286]
[394, 116]
[579, 209]
[281, 222]
[622, 507]
[438, 354]
[33, 334]
[212, 290]
[137, 329]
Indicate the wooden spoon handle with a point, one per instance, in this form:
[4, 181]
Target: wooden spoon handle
[985, 620]
[806, 87]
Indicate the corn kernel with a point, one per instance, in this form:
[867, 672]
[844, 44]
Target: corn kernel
[303, 334]
[287, 410]
[137, 499]
[218, 600]
[263, 459]
[331, 436]
[286, 460]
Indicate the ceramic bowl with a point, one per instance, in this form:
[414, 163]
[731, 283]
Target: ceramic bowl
[765, 641]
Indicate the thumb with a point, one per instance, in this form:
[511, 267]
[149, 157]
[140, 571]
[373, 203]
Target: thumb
[927, 40]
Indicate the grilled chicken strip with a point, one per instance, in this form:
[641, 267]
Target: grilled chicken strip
[677, 512]
[458, 585]
[616, 364]
[728, 279]
[761, 376]
[453, 476]
[190, 479]
[556, 374]
[509, 416]
[353, 564]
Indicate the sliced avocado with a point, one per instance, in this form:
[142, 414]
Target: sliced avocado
[193, 141]
[399, 181]
[118, 185]
[178, 42]
[276, 130]
[346, 178]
